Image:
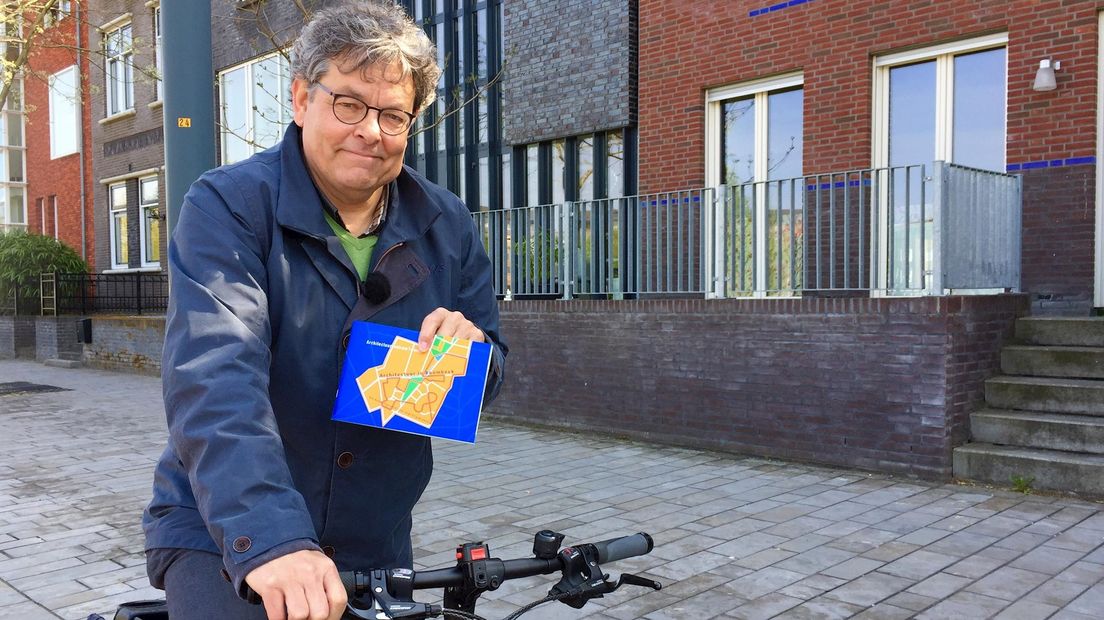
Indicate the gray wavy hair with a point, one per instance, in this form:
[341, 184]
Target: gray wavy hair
[363, 33]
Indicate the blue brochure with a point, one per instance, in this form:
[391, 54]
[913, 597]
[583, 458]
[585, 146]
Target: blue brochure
[387, 383]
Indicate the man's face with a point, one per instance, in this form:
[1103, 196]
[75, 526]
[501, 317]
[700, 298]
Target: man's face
[350, 162]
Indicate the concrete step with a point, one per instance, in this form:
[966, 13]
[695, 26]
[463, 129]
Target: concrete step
[1053, 361]
[1030, 429]
[1052, 470]
[1061, 331]
[1048, 394]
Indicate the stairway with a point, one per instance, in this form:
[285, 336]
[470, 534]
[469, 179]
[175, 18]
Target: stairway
[1044, 418]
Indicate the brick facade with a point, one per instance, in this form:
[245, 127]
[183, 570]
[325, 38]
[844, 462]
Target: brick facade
[570, 67]
[58, 181]
[687, 49]
[881, 384]
[127, 343]
[128, 145]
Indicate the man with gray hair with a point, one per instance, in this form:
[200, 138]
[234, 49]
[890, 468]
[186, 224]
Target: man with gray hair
[271, 261]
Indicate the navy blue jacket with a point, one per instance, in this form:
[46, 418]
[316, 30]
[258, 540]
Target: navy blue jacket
[262, 293]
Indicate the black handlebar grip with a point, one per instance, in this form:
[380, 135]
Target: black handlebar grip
[251, 596]
[348, 579]
[625, 547]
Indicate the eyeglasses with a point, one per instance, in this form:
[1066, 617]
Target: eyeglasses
[351, 111]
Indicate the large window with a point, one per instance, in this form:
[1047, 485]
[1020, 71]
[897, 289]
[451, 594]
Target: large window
[150, 221]
[158, 62]
[64, 113]
[584, 167]
[117, 203]
[754, 146]
[119, 69]
[13, 208]
[457, 142]
[945, 103]
[256, 106]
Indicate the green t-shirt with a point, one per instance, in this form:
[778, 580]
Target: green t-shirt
[359, 249]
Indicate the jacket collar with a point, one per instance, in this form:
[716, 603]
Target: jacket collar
[299, 207]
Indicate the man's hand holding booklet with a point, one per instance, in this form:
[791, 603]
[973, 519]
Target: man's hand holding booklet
[387, 383]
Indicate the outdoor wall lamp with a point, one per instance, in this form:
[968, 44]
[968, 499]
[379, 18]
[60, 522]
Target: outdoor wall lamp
[1044, 77]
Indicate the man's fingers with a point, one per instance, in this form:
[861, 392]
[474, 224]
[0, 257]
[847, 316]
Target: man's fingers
[430, 326]
[447, 324]
[295, 600]
[335, 593]
[274, 605]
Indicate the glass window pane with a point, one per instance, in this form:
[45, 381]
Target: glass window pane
[484, 184]
[615, 165]
[152, 235]
[912, 114]
[15, 203]
[15, 166]
[15, 129]
[507, 187]
[235, 146]
[266, 103]
[149, 191]
[586, 168]
[784, 134]
[738, 145]
[532, 175]
[120, 251]
[118, 196]
[979, 109]
[559, 173]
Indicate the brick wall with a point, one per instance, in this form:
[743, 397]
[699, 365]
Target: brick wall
[1058, 233]
[685, 49]
[126, 343]
[125, 145]
[241, 33]
[881, 384]
[17, 336]
[569, 67]
[56, 338]
[49, 178]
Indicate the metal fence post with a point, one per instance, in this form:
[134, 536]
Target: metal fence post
[939, 206]
[566, 256]
[138, 291]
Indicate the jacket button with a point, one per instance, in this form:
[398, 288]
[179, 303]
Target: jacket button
[345, 460]
[345, 342]
[329, 551]
[242, 544]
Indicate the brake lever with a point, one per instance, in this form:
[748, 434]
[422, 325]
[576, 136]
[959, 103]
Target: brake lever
[583, 578]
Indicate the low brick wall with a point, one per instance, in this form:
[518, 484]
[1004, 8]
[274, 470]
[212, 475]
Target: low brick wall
[17, 336]
[128, 343]
[56, 338]
[878, 384]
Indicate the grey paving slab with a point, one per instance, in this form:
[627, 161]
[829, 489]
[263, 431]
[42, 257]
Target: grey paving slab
[736, 537]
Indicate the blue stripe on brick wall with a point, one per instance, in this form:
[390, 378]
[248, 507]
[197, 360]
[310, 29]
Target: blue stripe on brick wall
[1051, 163]
[785, 4]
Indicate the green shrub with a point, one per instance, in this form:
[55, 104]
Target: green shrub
[24, 257]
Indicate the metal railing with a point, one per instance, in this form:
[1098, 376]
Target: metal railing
[80, 294]
[907, 230]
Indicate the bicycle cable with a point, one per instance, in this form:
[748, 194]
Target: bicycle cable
[456, 613]
[530, 606]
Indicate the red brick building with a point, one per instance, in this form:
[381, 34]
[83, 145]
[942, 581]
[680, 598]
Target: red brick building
[59, 134]
[873, 83]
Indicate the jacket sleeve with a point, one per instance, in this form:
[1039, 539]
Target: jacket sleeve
[216, 377]
[478, 303]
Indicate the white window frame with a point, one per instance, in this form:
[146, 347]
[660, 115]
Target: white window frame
[760, 89]
[944, 56]
[144, 214]
[118, 238]
[64, 103]
[158, 57]
[124, 62]
[249, 103]
[13, 110]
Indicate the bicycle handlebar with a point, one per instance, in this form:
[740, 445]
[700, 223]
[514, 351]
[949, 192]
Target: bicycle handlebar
[385, 584]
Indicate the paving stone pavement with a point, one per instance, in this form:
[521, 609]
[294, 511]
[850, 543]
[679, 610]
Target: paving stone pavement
[735, 537]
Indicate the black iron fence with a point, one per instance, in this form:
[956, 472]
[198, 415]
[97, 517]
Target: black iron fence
[123, 293]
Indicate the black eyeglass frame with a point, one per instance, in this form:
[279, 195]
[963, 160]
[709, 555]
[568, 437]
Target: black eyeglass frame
[367, 108]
